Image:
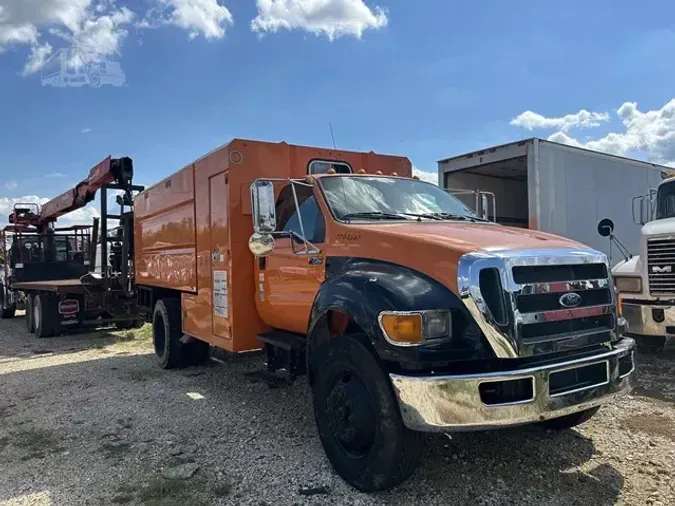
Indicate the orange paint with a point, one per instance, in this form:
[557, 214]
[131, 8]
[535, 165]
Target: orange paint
[205, 210]
[192, 231]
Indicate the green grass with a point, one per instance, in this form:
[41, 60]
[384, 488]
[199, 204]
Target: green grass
[134, 340]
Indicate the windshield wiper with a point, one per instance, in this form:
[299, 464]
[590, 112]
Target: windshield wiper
[450, 216]
[377, 215]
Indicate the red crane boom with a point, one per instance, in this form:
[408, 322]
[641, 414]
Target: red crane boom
[110, 170]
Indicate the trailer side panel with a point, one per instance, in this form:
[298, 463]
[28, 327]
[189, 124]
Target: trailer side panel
[577, 188]
[165, 234]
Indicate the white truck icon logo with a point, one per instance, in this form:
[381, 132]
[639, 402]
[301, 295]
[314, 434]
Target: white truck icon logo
[77, 67]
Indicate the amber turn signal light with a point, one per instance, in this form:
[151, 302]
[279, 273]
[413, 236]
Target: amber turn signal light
[402, 329]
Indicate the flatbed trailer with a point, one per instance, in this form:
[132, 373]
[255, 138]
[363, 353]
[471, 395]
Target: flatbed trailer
[56, 286]
[62, 286]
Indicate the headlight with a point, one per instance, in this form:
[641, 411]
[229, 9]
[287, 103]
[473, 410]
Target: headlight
[629, 284]
[412, 328]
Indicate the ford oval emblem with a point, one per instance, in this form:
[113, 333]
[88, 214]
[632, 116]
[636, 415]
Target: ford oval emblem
[570, 299]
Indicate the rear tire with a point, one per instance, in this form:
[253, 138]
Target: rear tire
[166, 334]
[569, 421]
[358, 417]
[44, 315]
[8, 311]
[30, 323]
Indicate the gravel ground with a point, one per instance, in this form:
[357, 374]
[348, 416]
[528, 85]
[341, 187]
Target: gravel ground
[90, 419]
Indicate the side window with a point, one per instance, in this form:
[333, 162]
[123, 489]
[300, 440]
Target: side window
[312, 218]
[323, 166]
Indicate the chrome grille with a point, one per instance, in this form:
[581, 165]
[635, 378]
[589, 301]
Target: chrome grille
[661, 265]
[554, 299]
[540, 313]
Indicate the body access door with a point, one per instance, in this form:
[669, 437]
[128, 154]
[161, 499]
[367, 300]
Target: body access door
[289, 278]
[220, 256]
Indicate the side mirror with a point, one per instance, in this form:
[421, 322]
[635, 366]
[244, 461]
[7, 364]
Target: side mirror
[643, 209]
[605, 227]
[261, 245]
[263, 208]
[484, 210]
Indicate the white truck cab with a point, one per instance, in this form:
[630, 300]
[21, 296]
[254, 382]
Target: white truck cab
[646, 282]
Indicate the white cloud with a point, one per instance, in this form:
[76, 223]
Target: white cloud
[20, 19]
[199, 17]
[532, 120]
[86, 130]
[55, 174]
[11, 184]
[332, 18]
[652, 132]
[95, 26]
[39, 53]
[425, 175]
[102, 35]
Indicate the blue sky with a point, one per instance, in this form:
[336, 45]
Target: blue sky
[426, 79]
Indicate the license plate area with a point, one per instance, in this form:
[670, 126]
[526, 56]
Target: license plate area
[569, 381]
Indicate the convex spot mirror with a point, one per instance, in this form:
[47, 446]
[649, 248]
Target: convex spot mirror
[263, 208]
[605, 227]
[261, 245]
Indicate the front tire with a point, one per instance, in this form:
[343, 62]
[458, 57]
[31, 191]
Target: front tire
[358, 417]
[166, 334]
[569, 421]
[30, 322]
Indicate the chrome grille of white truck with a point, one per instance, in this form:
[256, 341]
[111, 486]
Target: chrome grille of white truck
[661, 265]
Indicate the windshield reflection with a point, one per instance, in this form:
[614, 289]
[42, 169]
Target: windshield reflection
[380, 198]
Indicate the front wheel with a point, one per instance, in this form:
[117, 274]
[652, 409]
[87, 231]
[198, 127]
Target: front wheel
[569, 421]
[358, 417]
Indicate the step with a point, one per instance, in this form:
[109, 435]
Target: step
[284, 340]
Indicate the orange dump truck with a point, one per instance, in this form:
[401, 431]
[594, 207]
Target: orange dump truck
[407, 312]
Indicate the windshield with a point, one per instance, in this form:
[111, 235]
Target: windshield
[375, 198]
[665, 201]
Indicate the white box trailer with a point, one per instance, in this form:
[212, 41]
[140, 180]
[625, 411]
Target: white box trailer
[556, 188]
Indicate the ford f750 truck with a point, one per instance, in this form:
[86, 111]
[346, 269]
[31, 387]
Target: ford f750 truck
[407, 312]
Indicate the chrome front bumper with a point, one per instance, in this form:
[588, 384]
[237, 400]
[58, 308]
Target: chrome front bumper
[453, 403]
[641, 321]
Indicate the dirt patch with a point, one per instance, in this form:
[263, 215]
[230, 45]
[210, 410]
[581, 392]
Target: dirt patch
[35, 443]
[130, 435]
[115, 450]
[158, 491]
[652, 424]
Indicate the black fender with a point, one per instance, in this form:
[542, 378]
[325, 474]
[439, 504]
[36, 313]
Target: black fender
[362, 288]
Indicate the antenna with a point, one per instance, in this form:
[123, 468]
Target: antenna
[330, 125]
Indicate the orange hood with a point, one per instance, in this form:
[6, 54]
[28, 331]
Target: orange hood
[434, 248]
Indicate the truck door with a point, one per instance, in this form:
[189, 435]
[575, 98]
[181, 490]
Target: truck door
[220, 315]
[288, 279]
